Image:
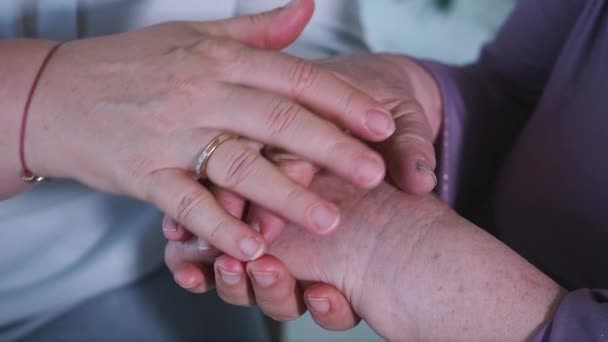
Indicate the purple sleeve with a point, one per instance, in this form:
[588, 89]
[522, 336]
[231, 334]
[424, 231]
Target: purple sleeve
[581, 316]
[487, 103]
[485, 106]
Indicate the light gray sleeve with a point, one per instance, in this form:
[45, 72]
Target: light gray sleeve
[10, 19]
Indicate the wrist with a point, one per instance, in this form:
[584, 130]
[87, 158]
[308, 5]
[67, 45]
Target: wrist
[20, 62]
[385, 300]
[453, 280]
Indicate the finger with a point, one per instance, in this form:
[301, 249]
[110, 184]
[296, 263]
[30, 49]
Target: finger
[181, 196]
[174, 231]
[313, 86]
[279, 122]
[179, 252]
[277, 293]
[274, 29]
[194, 278]
[231, 282]
[185, 261]
[243, 170]
[231, 202]
[329, 308]
[300, 171]
[410, 153]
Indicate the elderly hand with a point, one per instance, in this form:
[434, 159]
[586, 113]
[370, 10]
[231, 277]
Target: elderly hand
[130, 113]
[411, 267]
[413, 98]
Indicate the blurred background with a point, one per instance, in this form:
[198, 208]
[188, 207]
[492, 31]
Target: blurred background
[451, 31]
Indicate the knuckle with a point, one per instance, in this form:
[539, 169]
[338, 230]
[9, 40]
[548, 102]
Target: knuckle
[283, 116]
[409, 115]
[404, 139]
[182, 94]
[189, 203]
[181, 54]
[409, 108]
[223, 52]
[213, 47]
[302, 75]
[255, 19]
[339, 147]
[349, 101]
[294, 194]
[241, 165]
[215, 230]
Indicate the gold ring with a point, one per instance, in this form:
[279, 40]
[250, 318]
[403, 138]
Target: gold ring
[200, 170]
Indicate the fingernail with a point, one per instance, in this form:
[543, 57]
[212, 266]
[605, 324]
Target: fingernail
[169, 225]
[255, 225]
[325, 217]
[292, 3]
[380, 123]
[265, 279]
[423, 166]
[230, 278]
[369, 172]
[252, 248]
[203, 245]
[187, 282]
[318, 305]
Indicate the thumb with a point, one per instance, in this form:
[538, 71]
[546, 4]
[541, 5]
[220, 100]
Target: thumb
[274, 29]
[409, 152]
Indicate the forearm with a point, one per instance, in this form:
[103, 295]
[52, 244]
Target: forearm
[20, 62]
[459, 283]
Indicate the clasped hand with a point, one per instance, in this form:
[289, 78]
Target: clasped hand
[410, 156]
[130, 113]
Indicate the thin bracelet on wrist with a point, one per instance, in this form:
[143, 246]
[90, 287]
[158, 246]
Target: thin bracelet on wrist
[26, 174]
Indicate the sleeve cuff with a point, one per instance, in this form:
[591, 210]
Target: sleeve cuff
[581, 316]
[450, 140]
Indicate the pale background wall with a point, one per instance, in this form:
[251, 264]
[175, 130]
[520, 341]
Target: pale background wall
[415, 27]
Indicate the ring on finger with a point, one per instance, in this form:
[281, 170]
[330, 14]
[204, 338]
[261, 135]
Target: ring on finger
[200, 169]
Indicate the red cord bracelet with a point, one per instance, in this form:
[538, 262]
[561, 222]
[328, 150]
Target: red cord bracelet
[27, 175]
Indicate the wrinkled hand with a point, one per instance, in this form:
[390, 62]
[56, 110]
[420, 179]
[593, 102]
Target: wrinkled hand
[411, 95]
[129, 114]
[339, 262]
[411, 268]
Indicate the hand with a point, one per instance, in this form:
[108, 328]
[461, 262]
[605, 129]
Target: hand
[412, 96]
[270, 285]
[413, 269]
[129, 113]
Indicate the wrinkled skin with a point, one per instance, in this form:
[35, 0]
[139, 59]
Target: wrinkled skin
[399, 84]
[129, 113]
[413, 269]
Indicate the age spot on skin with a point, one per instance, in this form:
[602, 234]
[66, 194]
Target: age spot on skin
[436, 256]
